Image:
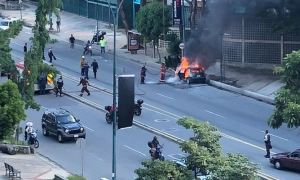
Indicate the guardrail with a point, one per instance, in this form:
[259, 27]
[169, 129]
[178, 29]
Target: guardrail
[156, 131]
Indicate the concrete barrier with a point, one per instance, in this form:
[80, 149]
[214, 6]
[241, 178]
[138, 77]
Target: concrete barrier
[251, 94]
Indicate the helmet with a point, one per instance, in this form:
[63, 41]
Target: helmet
[82, 57]
[29, 124]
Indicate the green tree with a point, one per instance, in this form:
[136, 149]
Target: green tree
[150, 23]
[205, 157]
[203, 147]
[162, 170]
[234, 167]
[7, 64]
[11, 108]
[287, 100]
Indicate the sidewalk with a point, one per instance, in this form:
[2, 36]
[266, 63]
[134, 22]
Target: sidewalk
[82, 28]
[32, 166]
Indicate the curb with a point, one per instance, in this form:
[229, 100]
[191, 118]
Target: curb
[247, 93]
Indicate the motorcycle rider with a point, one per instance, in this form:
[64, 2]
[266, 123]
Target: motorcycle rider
[153, 148]
[28, 131]
[86, 48]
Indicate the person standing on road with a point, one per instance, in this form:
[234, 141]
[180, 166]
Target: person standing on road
[72, 41]
[84, 82]
[86, 70]
[143, 74]
[60, 84]
[82, 62]
[25, 48]
[58, 24]
[267, 140]
[103, 43]
[163, 70]
[95, 67]
[51, 55]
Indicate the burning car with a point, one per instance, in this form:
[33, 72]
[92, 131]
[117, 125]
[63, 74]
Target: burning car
[191, 72]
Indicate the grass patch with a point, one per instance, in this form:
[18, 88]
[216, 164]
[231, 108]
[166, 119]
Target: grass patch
[76, 177]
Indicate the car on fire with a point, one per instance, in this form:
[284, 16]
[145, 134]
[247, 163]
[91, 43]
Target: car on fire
[289, 160]
[191, 72]
[62, 124]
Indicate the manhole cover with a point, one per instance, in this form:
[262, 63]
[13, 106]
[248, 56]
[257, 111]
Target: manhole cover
[161, 120]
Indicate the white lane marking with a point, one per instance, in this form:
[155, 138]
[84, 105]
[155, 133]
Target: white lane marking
[98, 158]
[89, 128]
[134, 150]
[104, 179]
[276, 136]
[214, 113]
[165, 96]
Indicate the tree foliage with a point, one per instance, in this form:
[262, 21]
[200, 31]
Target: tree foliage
[287, 100]
[11, 108]
[162, 170]
[205, 157]
[150, 22]
[7, 64]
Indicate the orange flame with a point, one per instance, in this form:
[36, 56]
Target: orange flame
[186, 68]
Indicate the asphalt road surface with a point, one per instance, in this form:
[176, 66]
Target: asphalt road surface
[242, 120]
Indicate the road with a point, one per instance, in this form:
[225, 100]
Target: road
[240, 118]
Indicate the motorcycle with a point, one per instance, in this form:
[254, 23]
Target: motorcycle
[109, 114]
[97, 36]
[138, 107]
[33, 139]
[88, 50]
[156, 153]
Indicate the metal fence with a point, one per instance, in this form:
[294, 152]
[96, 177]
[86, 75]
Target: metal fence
[96, 9]
[253, 41]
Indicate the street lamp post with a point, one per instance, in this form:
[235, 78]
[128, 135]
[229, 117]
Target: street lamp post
[115, 18]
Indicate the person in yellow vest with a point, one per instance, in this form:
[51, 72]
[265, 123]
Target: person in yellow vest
[102, 43]
[82, 62]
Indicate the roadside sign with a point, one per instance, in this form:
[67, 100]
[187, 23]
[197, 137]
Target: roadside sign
[176, 12]
[181, 45]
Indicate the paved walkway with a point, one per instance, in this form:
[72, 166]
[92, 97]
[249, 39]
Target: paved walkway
[32, 167]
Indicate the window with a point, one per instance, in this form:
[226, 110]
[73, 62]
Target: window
[64, 119]
[295, 154]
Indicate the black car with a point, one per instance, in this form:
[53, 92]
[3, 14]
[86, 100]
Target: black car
[62, 124]
[289, 160]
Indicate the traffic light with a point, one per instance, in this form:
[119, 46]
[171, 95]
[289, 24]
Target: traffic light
[125, 100]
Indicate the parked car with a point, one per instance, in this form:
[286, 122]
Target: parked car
[5, 23]
[62, 124]
[289, 160]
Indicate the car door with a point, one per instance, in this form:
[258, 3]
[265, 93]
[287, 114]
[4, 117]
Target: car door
[52, 124]
[295, 160]
[291, 160]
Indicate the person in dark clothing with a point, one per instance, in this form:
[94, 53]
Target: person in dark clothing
[84, 82]
[155, 142]
[42, 83]
[267, 140]
[51, 55]
[72, 41]
[86, 70]
[60, 84]
[25, 48]
[95, 67]
[58, 24]
[143, 74]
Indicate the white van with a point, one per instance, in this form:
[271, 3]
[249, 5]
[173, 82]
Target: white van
[5, 23]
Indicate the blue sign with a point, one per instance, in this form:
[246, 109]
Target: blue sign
[137, 1]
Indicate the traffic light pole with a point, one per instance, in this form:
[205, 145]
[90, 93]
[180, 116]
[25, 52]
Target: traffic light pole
[115, 17]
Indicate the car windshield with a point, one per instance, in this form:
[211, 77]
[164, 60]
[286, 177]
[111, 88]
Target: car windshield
[64, 119]
[4, 23]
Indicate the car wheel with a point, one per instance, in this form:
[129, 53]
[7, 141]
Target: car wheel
[60, 138]
[277, 165]
[45, 132]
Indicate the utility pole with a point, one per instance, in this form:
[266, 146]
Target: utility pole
[114, 106]
[183, 24]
